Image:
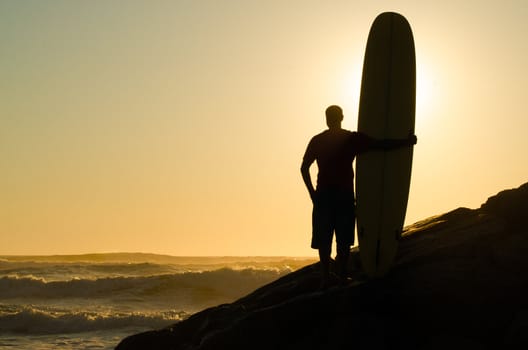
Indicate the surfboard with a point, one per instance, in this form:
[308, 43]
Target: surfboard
[386, 111]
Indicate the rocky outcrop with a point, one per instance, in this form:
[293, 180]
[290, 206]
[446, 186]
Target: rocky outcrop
[460, 281]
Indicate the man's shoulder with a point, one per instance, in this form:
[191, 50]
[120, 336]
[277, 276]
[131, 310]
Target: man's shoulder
[330, 136]
[332, 133]
[319, 137]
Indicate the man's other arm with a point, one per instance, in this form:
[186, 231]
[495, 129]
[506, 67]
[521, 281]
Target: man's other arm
[308, 159]
[305, 171]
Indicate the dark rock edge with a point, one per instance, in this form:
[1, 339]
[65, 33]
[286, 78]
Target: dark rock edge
[460, 280]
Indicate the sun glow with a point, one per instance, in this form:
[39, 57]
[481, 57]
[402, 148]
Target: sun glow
[424, 88]
[351, 91]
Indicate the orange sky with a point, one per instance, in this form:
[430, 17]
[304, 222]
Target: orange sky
[178, 127]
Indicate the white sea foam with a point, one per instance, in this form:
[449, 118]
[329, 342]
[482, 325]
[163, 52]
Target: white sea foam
[40, 320]
[222, 282]
[50, 270]
[70, 302]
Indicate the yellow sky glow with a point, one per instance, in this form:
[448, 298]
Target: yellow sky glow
[179, 127]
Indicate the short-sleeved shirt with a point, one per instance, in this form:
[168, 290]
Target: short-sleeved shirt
[335, 150]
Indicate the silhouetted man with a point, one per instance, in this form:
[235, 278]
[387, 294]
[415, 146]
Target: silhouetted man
[333, 199]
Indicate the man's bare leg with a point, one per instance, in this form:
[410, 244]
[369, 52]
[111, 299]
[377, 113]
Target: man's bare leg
[324, 258]
[343, 251]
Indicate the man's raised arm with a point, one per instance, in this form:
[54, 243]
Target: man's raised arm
[390, 144]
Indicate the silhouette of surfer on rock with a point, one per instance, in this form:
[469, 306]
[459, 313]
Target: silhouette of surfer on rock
[334, 151]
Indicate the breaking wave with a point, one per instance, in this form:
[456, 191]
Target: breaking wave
[222, 282]
[33, 320]
[106, 294]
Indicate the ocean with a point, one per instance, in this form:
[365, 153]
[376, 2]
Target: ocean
[93, 301]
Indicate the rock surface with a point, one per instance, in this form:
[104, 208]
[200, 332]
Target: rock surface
[460, 281]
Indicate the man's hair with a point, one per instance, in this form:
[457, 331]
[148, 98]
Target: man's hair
[334, 115]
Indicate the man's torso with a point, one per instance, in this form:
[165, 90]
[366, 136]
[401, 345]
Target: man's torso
[335, 150]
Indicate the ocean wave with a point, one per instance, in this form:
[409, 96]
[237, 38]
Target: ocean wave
[226, 282]
[65, 271]
[33, 320]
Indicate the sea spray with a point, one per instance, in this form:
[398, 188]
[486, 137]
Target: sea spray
[72, 302]
[224, 282]
[30, 319]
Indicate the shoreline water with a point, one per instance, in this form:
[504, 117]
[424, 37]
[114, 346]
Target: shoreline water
[93, 300]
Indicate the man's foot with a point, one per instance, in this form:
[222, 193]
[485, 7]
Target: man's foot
[329, 281]
[345, 281]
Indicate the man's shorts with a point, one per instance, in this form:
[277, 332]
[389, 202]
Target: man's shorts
[333, 210]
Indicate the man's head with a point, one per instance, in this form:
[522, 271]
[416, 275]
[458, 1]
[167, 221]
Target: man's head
[334, 116]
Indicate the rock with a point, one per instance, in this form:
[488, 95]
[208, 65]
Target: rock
[460, 280]
[511, 206]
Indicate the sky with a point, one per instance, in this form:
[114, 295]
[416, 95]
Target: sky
[178, 127]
